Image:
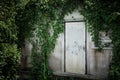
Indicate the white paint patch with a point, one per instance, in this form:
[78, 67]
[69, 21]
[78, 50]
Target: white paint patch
[75, 47]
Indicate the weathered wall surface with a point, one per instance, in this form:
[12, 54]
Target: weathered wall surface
[86, 60]
[98, 62]
[56, 60]
[91, 62]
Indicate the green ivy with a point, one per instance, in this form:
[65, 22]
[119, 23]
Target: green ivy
[21, 19]
[43, 20]
[9, 52]
[103, 15]
[9, 61]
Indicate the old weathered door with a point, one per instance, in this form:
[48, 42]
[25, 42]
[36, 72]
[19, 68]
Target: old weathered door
[75, 47]
[75, 51]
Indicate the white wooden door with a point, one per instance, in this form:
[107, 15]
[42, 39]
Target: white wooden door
[75, 47]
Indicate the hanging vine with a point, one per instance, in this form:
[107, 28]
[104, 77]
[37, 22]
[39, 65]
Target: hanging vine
[102, 15]
[37, 18]
[43, 21]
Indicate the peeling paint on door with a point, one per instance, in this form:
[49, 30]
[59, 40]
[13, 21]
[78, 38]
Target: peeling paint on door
[75, 47]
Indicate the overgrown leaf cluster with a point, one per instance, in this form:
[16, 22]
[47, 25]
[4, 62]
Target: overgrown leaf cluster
[103, 15]
[44, 20]
[9, 53]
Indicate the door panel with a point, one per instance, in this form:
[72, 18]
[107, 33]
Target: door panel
[75, 47]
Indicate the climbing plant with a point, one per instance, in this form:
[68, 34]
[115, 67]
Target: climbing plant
[45, 20]
[102, 15]
[41, 22]
[9, 52]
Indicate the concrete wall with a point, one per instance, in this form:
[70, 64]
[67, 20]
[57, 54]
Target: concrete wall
[93, 62]
[86, 60]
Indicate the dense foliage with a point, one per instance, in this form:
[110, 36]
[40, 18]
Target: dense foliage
[43, 20]
[9, 61]
[20, 19]
[103, 15]
[9, 54]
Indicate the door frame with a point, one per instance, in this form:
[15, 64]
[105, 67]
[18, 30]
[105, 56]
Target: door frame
[70, 21]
